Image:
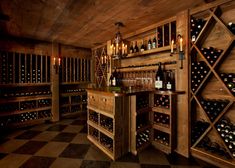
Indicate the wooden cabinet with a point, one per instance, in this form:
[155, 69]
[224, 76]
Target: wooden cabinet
[108, 127]
[212, 96]
[25, 89]
[163, 118]
[140, 133]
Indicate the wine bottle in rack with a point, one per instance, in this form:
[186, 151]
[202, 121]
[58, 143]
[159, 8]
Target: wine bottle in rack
[136, 48]
[142, 48]
[107, 123]
[142, 138]
[231, 27]
[196, 27]
[132, 48]
[198, 129]
[106, 141]
[149, 44]
[154, 44]
[159, 78]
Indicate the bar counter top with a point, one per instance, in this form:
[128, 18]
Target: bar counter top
[117, 91]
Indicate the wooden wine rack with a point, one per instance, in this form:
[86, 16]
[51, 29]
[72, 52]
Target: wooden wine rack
[25, 84]
[214, 34]
[108, 105]
[75, 74]
[137, 115]
[168, 129]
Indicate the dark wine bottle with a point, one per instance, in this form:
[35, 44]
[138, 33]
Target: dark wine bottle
[159, 78]
[149, 44]
[136, 48]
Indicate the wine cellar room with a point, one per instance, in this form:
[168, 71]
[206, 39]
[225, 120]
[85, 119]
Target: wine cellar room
[117, 84]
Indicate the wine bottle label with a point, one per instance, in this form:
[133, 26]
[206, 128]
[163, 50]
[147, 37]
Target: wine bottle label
[154, 45]
[114, 81]
[158, 84]
[169, 86]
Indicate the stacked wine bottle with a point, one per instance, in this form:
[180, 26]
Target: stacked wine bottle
[162, 137]
[231, 27]
[226, 130]
[211, 54]
[213, 107]
[213, 147]
[163, 119]
[196, 27]
[106, 141]
[199, 71]
[199, 127]
[161, 101]
[106, 122]
[44, 114]
[142, 138]
[142, 120]
[142, 101]
[93, 116]
[229, 81]
[93, 132]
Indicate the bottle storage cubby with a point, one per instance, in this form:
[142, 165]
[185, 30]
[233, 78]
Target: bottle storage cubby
[75, 70]
[140, 122]
[158, 39]
[212, 85]
[73, 99]
[163, 119]
[22, 68]
[108, 122]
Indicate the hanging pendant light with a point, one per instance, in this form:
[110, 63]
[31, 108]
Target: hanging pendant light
[118, 47]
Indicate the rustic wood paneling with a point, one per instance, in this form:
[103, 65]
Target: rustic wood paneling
[84, 22]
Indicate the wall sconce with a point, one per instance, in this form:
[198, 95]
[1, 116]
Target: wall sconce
[56, 64]
[179, 49]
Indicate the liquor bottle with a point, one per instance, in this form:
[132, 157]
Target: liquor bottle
[159, 78]
[115, 78]
[111, 80]
[154, 44]
[149, 44]
[136, 49]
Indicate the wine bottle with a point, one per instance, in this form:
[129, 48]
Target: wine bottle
[169, 81]
[149, 44]
[132, 48]
[231, 27]
[154, 44]
[159, 78]
[136, 49]
[142, 48]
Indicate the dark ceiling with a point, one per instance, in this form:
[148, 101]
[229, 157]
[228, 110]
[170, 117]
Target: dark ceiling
[83, 22]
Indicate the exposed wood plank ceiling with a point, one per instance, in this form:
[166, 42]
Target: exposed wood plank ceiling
[83, 22]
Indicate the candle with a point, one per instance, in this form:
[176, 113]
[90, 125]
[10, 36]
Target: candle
[181, 44]
[59, 61]
[114, 51]
[111, 49]
[54, 61]
[172, 46]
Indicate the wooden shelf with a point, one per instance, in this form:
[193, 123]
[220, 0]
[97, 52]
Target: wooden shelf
[24, 111]
[73, 94]
[148, 52]
[70, 114]
[101, 147]
[28, 123]
[143, 128]
[212, 158]
[12, 85]
[162, 128]
[24, 98]
[101, 129]
[162, 147]
[76, 83]
[101, 112]
[162, 110]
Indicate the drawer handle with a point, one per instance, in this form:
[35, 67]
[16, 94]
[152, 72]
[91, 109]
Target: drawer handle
[104, 100]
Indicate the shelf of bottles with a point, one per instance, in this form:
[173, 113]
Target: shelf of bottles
[163, 121]
[212, 85]
[100, 131]
[25, 94]
[73, 100]
[75, 70]
[157, 40]
[140, 122]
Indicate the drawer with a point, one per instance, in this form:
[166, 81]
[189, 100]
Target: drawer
[93, 100]
[106, 103]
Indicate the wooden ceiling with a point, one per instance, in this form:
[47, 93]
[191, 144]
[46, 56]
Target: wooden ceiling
[83, 23]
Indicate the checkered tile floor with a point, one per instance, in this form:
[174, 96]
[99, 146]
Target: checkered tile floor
[64, 145]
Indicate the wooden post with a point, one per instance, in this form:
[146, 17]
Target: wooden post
[55, 82]
[183, 117]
